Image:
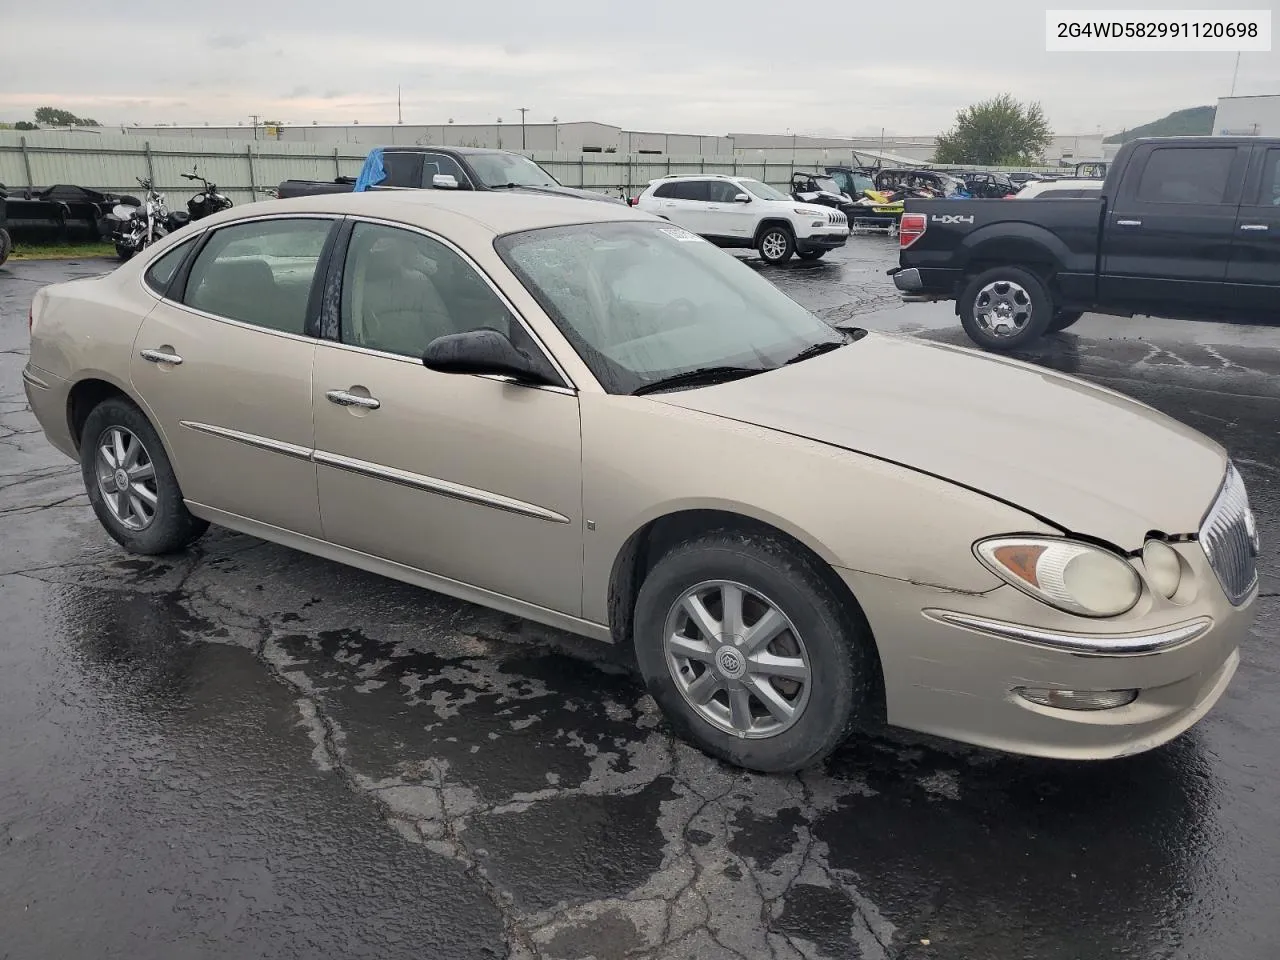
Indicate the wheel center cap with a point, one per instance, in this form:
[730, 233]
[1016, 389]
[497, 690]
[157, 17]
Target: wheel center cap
[730, 662]
[121, 480]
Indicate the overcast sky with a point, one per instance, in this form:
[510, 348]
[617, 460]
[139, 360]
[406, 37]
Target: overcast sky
[825, 68]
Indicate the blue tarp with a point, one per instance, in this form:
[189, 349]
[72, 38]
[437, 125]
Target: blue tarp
[372, 173]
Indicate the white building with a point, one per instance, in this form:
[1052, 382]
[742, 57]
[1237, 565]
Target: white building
[1247, 117]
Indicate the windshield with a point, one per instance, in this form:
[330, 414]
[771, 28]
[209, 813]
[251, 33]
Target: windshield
[643, 302]
[762, 190]
[501, 169]
[827, 184]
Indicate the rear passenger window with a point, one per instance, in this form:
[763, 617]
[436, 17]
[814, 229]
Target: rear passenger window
[1186, 175]
[1271, 180]
[160, 273]
[690, 190]
[259, 273]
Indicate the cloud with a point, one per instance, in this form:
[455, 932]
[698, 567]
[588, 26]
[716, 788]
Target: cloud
[297, 93]
[227, 41]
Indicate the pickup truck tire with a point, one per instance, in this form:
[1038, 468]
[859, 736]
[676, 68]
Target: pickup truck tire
[1005, 308]
[1063, 319]
[776, 244]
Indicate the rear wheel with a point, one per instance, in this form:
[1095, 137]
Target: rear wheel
[130, 481]
[124, 251]
[1005, 308]
[1063, 319]
[6, 245]
[812, 254]
[750, 653]
[776, 244]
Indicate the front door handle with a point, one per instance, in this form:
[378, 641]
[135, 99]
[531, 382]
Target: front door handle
[1128, 223]
[1254, 226]
[159, 356]
[344, 399]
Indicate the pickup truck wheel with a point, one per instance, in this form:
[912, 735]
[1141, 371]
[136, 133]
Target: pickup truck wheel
[1063, 319]
[776, 245]
[1005, 308]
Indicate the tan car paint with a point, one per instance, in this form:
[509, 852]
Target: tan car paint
[900, 538]
[429, 428]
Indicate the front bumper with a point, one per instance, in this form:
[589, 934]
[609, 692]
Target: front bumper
[823, 241]
[953, 663]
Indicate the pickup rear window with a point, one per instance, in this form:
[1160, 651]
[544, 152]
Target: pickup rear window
[1186, 175]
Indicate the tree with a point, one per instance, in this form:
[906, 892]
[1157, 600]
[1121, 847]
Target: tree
[25, 125]
[996, 132]
[55, 117]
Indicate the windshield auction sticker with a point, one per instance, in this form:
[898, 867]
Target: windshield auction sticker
[1135, 31]
[681, 234]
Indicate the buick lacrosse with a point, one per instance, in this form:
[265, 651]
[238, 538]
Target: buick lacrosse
[584, 415]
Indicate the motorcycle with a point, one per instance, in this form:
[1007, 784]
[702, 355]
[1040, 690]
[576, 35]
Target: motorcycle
[208, 201]
[136, 228]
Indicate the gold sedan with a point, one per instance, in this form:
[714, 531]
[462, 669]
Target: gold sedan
[586, 416]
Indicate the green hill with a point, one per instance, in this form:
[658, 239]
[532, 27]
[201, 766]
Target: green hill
[1192, 122]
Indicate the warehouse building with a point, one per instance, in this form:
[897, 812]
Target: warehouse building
[1247, 116]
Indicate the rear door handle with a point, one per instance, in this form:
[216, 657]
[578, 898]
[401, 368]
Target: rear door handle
[1254, 226]
[159, 356]
[344, 399]
[1128, 223]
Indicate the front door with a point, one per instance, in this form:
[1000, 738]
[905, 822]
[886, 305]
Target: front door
[470, 478]
[1168, 233]
[225, 369]
[1254, 274]
[726, 217]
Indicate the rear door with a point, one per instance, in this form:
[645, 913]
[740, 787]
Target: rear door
[1254, 272]
[683, 202]
[1167, 238]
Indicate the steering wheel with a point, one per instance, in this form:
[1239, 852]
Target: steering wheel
[683, 312]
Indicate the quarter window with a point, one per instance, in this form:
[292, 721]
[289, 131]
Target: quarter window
[1186, 175]
[160, 274]
[401, 290]
[260, 272]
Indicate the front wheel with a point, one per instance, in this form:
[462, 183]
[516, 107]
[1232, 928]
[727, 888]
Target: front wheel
[812, 254]
[124, 251]
[1005, 308]
[776, 245]
[130, 482]
[750, 653]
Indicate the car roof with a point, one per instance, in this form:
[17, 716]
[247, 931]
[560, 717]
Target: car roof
[677, 177]
[429, 148]
[497, 212]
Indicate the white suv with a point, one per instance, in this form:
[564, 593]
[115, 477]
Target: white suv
[741, 212]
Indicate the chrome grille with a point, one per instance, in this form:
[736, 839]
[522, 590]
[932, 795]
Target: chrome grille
[1229, 537]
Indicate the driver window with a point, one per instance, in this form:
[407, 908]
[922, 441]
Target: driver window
[401, 290]
[723, 191]
[438, 163]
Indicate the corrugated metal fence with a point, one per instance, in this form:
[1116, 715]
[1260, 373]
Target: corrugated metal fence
[243, 170]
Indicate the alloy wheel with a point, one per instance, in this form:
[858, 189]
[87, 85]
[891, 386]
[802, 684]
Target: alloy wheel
[1002, 308]
[774, 245]
[737, 659]
[126, 478]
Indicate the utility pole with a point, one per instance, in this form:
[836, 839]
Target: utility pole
[399, 110]
[1235, 74]
[255, 118]
[523, 111]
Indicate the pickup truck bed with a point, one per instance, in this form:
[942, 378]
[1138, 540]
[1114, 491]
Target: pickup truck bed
[1184, 227]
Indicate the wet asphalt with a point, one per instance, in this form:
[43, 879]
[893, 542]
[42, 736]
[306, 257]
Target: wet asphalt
[244, 751]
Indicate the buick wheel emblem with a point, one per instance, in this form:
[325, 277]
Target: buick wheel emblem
[731, 663]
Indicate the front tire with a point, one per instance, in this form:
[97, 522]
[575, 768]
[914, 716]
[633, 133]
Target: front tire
[812, 255]
[130, 482]
[1005, 308]
[776, 244]
[750, 653]
[124, 251]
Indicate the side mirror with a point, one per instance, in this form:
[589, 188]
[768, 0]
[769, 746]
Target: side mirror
[741, 198]
[444, 181]
[482, 351]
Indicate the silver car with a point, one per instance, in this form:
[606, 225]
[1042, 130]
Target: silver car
[587, 416]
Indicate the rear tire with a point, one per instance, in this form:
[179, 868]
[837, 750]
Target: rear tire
[776, 244]
[6, 245]
[124, 252]
[144, 514]
[820, 637]
[1005, 308]
[1063, 319]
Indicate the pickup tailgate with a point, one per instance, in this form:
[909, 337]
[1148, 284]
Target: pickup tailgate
[961, 233]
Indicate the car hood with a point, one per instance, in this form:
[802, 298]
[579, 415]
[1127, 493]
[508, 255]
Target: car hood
[1086, 459]
[569, 192]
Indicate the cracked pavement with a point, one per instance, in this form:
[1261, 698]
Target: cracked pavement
[247, 751]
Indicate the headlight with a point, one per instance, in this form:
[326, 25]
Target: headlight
[1164, 568]
[1076, 577]
[810, 212]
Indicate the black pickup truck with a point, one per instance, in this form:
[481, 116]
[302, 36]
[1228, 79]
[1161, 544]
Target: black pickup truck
[1185, 228]
[448, 168]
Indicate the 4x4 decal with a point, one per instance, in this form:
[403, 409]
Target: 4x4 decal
[950, 218]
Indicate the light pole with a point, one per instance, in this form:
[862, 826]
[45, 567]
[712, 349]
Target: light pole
[523, 111]
[1235, 75]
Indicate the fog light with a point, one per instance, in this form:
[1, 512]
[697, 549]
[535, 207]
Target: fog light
[1077, 699]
